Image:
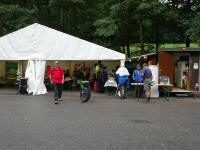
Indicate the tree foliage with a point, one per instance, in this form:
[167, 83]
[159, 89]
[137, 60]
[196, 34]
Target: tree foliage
[194, 29]
[112, 23]
[14, 17]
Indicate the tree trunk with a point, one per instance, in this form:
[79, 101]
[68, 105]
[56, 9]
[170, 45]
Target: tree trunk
[157, 41]
[123, 49]
[128, 50]
[188, 5]
[62, 20]
[1, 26]
[141, 38]
[67, 21]
[48, 16]
[76, 21]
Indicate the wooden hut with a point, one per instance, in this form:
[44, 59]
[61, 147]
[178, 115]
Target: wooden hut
[181, 65]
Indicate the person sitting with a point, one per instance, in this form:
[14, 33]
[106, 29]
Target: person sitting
[184, 80]
[196, 87]
[79, 77]
[87, 75]
[75, 72]
[67, 74]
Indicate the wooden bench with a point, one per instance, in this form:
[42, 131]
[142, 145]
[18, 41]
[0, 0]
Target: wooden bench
[195, 94]
[7, 80]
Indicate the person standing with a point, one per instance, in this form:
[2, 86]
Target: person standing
[123, 75]
[147, 80]
[102, 79]
[137, 78]
[57, 79]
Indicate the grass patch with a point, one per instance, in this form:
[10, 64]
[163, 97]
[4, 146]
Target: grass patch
[178, 45]
[135, 48]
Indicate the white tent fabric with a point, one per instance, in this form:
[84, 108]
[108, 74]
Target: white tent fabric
[35, 72]
[38, 42]
[154, 88]
[19, 70]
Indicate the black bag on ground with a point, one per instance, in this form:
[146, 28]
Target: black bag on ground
[23, 86]
[85, 91]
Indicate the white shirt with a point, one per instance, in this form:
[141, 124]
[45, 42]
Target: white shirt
[122, 71]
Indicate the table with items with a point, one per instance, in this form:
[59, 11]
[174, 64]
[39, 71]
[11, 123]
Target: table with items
[165, 87]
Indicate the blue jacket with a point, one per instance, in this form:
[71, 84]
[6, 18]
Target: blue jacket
[137, 76]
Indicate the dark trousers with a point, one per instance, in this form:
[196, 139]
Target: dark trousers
[57, 90]
[139, 90]
[101, 88]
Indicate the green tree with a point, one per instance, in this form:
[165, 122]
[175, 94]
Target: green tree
[194, 29]
[65, 14]
[14, 17]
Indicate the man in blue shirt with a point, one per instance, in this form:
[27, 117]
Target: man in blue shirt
[137, 78]
[137, 74]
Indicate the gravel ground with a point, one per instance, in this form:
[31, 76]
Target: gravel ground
[104, 123]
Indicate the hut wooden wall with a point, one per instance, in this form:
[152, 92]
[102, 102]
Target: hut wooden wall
[166, 65]
[194, 73]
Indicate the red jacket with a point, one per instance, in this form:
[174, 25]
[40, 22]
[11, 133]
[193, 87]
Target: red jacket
[57, 74]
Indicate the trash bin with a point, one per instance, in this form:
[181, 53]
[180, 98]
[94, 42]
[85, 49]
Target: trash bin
[85, 91]
[23, 86]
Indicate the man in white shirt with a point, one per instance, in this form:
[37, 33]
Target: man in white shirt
[123, 75]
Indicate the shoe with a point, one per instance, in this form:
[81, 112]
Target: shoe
[148, 100]
[59, 99]
[56, 102]
[125, 96]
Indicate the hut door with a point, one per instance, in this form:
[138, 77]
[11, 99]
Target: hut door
[166, 66]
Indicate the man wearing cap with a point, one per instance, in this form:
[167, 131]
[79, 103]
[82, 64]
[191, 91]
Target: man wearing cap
[57, 79]
[122, 74]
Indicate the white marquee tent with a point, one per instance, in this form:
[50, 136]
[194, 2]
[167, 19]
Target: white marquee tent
[38, 43]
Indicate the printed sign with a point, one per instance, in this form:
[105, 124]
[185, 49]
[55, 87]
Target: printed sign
[196, 65]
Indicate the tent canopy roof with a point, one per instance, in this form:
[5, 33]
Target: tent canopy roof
[38, 42]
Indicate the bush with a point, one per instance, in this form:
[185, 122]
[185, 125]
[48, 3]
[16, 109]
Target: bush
[198, 42]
